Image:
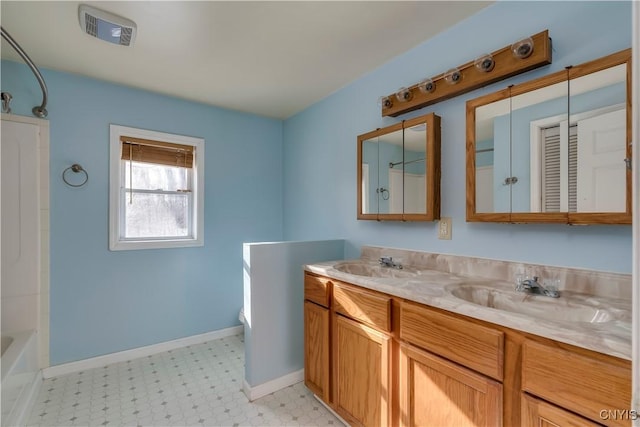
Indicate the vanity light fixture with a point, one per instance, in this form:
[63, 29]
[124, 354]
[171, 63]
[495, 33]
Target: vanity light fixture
[488, 68]
[453, 76]
[403, 94]
[427, 86]
[522, 48]
[385, 102]
[485, 63]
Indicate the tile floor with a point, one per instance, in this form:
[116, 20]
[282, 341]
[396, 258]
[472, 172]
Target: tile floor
[198, 385]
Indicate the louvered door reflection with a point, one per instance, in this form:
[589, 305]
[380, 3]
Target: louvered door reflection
[559, 171]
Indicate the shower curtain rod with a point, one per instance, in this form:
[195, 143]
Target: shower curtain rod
[39, 110]
[392, 164]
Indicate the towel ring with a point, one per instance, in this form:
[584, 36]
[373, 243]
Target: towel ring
[75, 168]
[383, 192]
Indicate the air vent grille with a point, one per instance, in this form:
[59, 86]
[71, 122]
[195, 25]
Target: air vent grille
[91, 24]
[106, 26]
[125, 36]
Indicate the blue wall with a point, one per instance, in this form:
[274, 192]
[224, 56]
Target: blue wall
[319, 204]
[102, 301]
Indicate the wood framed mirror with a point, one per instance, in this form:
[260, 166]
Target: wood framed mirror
[555, 149]
[398, 171]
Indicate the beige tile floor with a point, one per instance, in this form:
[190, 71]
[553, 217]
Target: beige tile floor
[198, 385]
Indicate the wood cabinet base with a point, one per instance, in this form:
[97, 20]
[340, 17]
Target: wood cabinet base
[316, 349]
[361, 365]
[435, 391]
[379, 360]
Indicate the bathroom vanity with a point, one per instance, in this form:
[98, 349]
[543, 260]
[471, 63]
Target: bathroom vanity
[442, 341]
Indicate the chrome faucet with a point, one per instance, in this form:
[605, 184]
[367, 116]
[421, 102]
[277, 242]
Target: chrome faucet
[387, 261]
[532, 286]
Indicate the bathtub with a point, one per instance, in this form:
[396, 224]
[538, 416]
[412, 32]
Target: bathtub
[20, 378]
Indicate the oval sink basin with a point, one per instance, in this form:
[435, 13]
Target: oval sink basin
[560, 309]
[372, 270]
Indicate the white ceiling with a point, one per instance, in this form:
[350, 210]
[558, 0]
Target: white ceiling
[269, 58]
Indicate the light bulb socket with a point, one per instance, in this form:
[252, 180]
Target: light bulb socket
[522, 48]
[453, 76]
[403, 94]
[484, 63]
[385, 102]
[427, 86]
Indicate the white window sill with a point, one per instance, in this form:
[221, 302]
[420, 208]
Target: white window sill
[129, 245]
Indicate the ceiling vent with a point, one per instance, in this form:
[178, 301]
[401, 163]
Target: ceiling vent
[106, 26]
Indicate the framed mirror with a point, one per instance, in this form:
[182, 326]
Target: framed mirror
[491, 156]
[600, 141]
[552, 150]
[399, 171]
[376, 150]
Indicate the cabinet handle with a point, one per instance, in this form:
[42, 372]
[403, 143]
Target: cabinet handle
[510, 180]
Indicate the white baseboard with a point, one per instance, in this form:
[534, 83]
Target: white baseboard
[269, 387]
[123, 356]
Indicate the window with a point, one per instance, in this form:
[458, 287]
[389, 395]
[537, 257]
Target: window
[156, 190]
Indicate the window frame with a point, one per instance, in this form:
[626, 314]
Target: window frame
[117, 182]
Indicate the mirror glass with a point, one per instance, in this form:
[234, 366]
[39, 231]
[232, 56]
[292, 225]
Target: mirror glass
[538, 152]
[597, 138]
[382, 181]
[492, 166]
[510, 159]
[553, 149]
[415, 169]
[370, 187]
[390, 192]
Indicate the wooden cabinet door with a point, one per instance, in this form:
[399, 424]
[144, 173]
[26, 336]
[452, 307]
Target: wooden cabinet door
[538, 413]
[316, 349]
[361, 370]
[437, 392]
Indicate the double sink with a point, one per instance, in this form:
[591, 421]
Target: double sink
[570, 307]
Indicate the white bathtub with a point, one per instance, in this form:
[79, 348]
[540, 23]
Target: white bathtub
[20, 378]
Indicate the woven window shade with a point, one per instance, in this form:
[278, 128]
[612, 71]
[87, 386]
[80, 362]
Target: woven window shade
[157, 152]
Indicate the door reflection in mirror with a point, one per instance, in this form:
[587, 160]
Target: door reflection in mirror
[598, 110]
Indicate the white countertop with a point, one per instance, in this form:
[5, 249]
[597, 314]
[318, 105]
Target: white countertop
[433, 288]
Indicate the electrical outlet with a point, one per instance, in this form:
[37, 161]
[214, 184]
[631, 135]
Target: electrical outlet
[444, 228]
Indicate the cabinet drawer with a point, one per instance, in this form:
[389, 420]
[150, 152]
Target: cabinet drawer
[475, 346]
[538, 413]
[580, 383]
[364, 306]
[316, 289]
